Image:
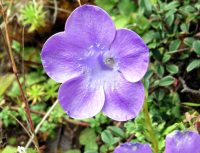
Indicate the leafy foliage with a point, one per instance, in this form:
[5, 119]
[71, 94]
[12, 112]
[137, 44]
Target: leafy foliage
[88, 139]
[33, 15]
[171, 31]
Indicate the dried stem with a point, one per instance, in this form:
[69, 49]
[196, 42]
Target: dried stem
[188, 89]
[41, 122]
[79, 2]
[58, 9]
[178, 51]
[12, 61]
[67, 120]
[20, 123]
[55, 11]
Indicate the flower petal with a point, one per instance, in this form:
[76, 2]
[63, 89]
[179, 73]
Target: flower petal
[133, 148]
[124, 99]
[80, 98]
[183, 142]
[60, 57]
[90, 25]
[131, 53]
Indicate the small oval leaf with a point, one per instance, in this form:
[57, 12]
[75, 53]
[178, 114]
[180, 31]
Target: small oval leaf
[166, 81]
[172, 68]
[193, 65]
[196, 46]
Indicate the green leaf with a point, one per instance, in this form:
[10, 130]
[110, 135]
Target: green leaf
[139, 20]
[154, 1]
[88, 139]
[149, 36]
[196, 46]
[16, 45]
[188, 9]
[172, 5]
[32, 15]
[197, 5]
[31, 150]
[104, 148]
[106, 4]
[73, 151]
[172, 68]
[5, 81]
[107, 137]
[156, 83]
[90, 151]
[192, 104]
[185, 27]
[170, 19]
[193, 65]
[160, 70]
[159, 94]
[156, 24]
[184, 56]
[170, 13]
[126, 7]
[10, 149]
[152, 45]
[171, 128]
[166, 58]
[189, 41]
[166, 81]
[117, 131]
[121, 20]
[146, 4]
[174, 45]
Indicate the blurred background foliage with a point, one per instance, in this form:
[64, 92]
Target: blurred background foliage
[171, 29]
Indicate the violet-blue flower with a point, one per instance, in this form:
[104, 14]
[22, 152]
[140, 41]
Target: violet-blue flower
[133, 148]
[100, 68]
[183, 142]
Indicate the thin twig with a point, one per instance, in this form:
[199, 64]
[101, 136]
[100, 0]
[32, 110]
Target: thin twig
[188, 89]
[23, 55]
[12, 61]
[32, 63]
[26, 130]
[76, 122]
[40, 124]
[79, 2]
[20, 123]
[55, 10]
[178, 51]
[59, 9]
[130, 138]
[67, 120]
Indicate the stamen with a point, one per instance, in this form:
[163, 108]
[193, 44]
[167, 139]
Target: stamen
[110, 62]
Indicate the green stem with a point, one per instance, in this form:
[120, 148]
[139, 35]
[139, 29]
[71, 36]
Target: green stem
[149, 127]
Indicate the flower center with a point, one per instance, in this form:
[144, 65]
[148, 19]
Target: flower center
[100, 66]
[110, 62]
[99, 59]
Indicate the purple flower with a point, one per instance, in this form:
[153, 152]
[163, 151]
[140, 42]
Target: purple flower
[133, 148]
[182, 142]
[100, 68]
